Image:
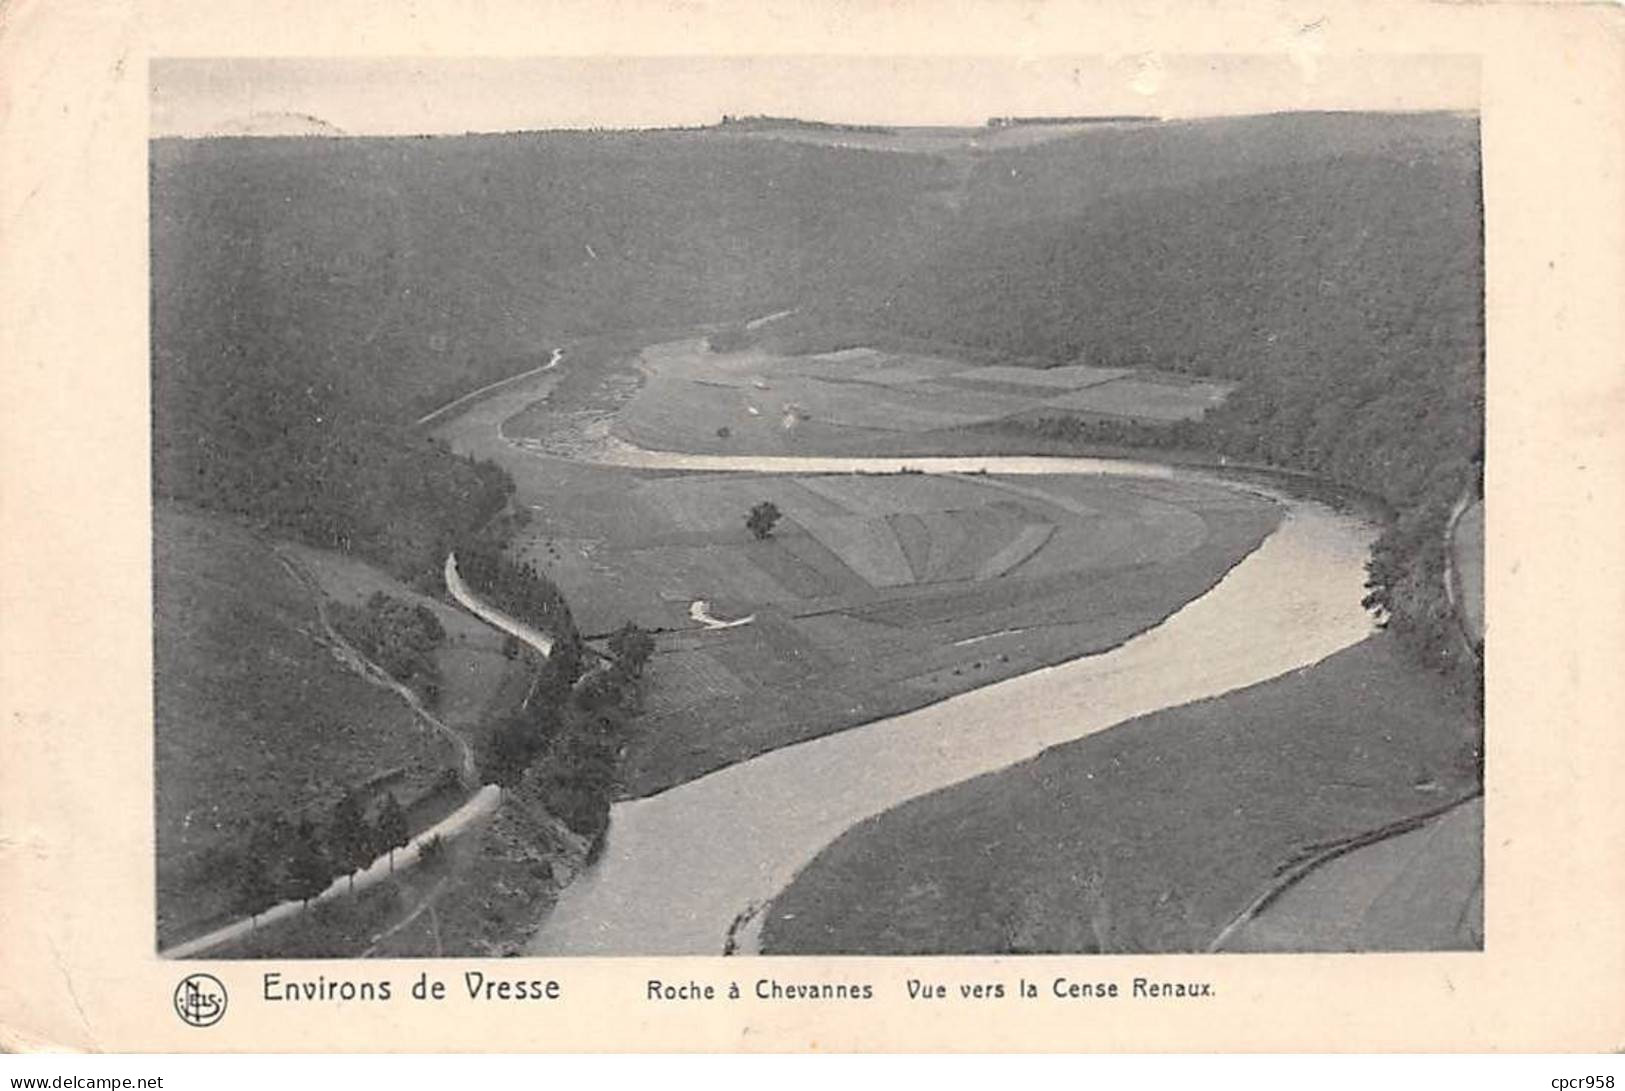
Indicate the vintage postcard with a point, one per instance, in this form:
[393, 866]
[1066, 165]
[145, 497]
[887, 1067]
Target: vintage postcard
[813, 528]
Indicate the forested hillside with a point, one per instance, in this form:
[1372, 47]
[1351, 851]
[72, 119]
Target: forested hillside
[408, 263]
[1340, 280]
[311, 296]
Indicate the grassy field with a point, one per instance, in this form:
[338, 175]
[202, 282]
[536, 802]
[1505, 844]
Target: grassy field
[1148, 837]
[759, 401]
[478, 682]
[875, 594]
[254, 714]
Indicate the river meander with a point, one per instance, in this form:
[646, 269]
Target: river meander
[679, 868]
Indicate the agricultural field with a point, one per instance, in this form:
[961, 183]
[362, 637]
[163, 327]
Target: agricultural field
[1155, 834]
[874, 594]
[759, 402]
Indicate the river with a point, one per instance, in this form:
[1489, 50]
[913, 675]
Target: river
[680, 869]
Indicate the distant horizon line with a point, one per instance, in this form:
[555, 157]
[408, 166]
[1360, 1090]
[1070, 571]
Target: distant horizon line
[991, 124]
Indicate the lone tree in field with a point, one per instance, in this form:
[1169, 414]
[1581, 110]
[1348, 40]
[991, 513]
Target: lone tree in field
[762, 519]
[632, 646]
[389, 832]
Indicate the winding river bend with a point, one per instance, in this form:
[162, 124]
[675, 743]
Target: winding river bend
[685, 871]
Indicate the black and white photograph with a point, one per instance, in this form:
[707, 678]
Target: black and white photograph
[798, 505]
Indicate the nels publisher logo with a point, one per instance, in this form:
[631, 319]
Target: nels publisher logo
[200, 1000]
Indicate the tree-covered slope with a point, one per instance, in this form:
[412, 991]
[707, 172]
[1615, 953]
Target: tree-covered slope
[1332, 264]
[409, 262]
[311, 296]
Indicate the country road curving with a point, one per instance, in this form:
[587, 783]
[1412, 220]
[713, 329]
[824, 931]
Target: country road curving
[471, 602]
[553, 362]
[482, 803]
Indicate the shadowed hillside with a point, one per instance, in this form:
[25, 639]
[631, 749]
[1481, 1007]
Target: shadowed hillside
[411, 264]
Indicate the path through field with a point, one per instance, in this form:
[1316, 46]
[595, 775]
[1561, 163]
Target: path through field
[481, 804]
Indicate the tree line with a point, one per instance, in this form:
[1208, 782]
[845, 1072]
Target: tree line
[564, 744]
[520, 591]
[399, 636]
[296, 861]
[1343, 295]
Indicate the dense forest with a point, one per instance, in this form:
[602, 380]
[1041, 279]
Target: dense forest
[278, 441]
[1344, 294]
[311, 296]
[405, 264]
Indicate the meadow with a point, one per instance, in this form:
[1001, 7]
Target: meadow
[479, 680]
[864, 399]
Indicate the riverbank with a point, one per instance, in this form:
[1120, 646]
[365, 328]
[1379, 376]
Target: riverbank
[678, 868]
[1152, 836]
[602, 894]
[890, 584]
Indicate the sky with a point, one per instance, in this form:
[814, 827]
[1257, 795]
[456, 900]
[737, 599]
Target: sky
[201, 96]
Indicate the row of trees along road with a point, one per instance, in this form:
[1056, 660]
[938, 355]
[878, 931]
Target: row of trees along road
[288, 862]
[564, 743]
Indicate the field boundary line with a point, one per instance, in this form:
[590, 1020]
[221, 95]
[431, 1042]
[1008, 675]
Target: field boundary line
[1296, 874]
